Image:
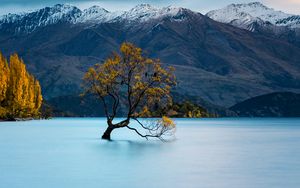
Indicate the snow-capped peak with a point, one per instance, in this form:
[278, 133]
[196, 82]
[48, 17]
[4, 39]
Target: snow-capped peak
[95, 10]
[47, 15]
[28, 22]
[57, 13]
[94, 14]
[143, 8]
[139, 12]
[242, 15]
[145, 12]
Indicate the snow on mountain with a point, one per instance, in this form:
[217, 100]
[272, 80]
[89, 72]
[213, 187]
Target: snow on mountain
[28, 22]
[59, 12]
[292, 21]
[244, 15]
[96, 14]
[93, 13]
[145, 12]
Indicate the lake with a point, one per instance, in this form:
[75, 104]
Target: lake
[208, 153]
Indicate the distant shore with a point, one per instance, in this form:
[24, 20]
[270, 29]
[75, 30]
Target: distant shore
[17, 119]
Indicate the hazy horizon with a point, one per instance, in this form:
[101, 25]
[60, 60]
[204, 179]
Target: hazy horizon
[18, 6]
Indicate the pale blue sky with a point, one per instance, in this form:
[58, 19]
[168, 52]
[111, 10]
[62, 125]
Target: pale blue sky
[13, 6]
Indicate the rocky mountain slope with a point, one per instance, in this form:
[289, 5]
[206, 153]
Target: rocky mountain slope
[217, 62]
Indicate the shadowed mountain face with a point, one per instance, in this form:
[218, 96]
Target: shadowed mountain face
[217, 62]
[283, 104]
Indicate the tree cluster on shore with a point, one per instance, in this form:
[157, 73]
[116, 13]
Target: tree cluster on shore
[20, 92]
[186, 109]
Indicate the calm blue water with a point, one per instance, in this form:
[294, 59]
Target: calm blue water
[208, 153]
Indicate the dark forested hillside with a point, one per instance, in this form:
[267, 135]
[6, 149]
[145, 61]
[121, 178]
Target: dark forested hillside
[283, 104]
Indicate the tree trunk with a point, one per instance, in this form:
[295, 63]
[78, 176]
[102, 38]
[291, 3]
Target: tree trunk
[106, 135]
[111, 127]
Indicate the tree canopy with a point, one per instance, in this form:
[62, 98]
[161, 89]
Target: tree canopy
[20, 92]
[139, 83]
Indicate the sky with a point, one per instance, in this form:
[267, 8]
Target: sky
[203, 6]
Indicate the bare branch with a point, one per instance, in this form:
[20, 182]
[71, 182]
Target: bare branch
[156, 130]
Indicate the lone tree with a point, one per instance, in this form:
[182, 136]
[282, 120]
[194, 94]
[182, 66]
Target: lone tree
[137, 83]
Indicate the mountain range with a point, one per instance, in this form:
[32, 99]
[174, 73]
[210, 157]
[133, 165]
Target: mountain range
[221, 63]
[61, 13]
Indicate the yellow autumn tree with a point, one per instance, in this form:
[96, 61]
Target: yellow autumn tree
[20, 92]
[140, 83]
[4, 81]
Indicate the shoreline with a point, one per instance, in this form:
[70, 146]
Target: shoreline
[17, 119]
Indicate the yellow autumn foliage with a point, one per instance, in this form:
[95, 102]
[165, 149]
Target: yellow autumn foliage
[4, 77]
[145, 80]
[20, 92]
[167, 122]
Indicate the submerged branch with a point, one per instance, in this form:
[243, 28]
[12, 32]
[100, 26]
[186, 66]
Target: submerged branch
[156, 130]
[145, 136]
[154, 127]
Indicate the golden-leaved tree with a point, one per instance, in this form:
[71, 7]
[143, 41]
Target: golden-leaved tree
[20, 92]
[4, 81]
[138, 83]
